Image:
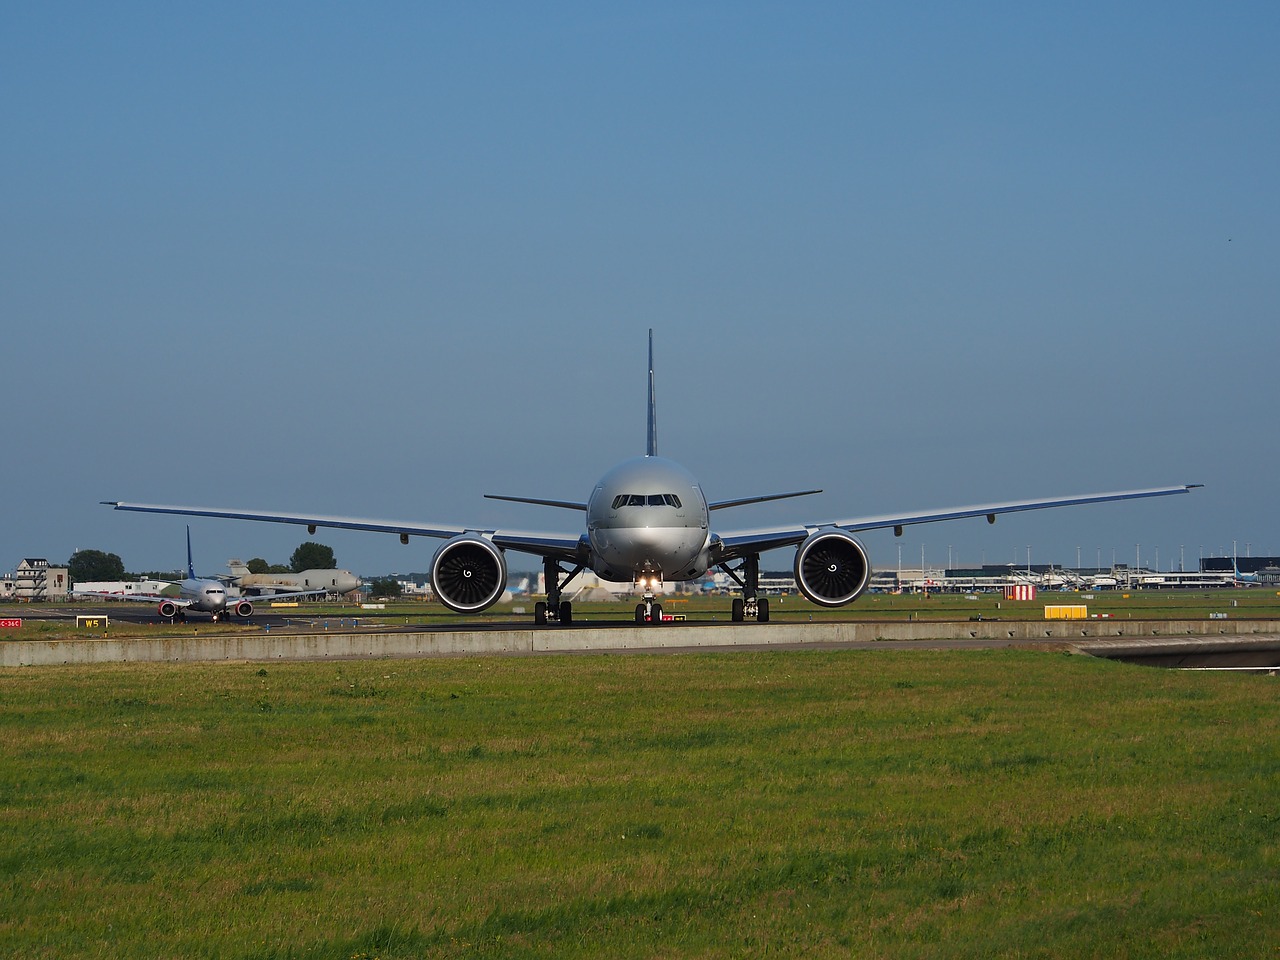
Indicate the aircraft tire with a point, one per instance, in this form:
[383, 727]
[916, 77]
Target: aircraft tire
[762, 610]
[540, 613]
[737, 610]
[655, 615]
[640, 613]
[566, 613]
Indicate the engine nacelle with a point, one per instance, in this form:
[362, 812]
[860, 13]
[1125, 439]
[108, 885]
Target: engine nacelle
[240, 608]
[468, 573]
[167, 609]
[832, 567]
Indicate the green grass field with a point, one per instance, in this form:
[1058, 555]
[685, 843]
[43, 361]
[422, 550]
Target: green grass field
[864, 804]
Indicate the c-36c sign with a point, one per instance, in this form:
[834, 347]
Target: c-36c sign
[10, 624]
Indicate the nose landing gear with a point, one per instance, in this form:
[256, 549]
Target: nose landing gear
[649, 611]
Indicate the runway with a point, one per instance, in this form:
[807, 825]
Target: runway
[277, 636]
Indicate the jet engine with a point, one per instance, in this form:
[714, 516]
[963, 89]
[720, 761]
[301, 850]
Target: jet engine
[240, 608]
[167, 609]
[468, 573]
[832, 567]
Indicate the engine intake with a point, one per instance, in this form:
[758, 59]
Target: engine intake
[832, 567]
[167, 609]
[468, 573]
[241, 608]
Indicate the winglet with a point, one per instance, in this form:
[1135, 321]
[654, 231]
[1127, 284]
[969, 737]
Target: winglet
[651, 447]
[191, 568]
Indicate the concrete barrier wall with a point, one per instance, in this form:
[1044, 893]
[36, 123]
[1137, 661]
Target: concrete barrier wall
[279, 645]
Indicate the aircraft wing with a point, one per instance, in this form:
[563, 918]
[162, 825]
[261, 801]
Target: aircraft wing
[734, 544]
[137, 597]
[278, 596]
[558, 545]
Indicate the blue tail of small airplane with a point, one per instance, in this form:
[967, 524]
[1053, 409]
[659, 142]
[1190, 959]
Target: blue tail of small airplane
[191, 569]
[651, 447]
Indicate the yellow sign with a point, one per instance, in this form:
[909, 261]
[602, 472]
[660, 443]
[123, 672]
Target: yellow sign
[1067, 611]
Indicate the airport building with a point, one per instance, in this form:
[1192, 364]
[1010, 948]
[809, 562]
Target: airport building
[1242, 564]
[35, 580]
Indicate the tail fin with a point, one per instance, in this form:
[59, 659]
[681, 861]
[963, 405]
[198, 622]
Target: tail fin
[651, 448]
[191, 569]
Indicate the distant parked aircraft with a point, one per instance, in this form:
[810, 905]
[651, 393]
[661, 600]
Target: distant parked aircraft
[198, 594]
[1239, 578]
[648, 521]
[516, 590]
[271, 584]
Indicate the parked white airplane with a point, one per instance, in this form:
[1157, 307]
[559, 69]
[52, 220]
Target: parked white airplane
[199, 594]
[1241, 579]
[267, 584]
[647, 521]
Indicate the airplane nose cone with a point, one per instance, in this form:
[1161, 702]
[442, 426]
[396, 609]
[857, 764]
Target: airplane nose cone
[664, 549]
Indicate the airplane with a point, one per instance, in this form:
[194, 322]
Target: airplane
[195, 594]
[1240, 579]
[266, 584]
[647, 521]
[516, 590]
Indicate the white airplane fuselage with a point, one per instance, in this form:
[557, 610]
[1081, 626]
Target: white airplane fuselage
[329, 581]
[206, 596]
[648, 518]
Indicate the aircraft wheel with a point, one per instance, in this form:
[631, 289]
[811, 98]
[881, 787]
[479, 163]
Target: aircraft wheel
[640, 613]
[655, 615]
[762, 610]
[540, 613]
[566, 612]
[737, 610]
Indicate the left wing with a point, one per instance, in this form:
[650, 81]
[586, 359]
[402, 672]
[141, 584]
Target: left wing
[558, 545]
[734, 544]
[277, 596]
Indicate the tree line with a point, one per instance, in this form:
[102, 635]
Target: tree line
[96, 565]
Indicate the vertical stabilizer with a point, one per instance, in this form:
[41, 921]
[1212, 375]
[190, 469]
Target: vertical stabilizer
[651, 447]
[191, 569]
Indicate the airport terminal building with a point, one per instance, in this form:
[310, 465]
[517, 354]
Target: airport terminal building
[35, 580]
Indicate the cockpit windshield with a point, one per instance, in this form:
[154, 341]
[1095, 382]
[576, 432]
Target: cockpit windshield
[641, 500]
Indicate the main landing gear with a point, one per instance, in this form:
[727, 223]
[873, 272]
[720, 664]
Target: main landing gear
[750, 606]
[553, 609]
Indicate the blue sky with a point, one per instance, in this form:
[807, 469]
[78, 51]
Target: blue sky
[380, 259]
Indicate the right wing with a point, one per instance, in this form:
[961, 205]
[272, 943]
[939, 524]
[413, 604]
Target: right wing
[738, 543]
[278, 596]
[558, 545]
[136, 597]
